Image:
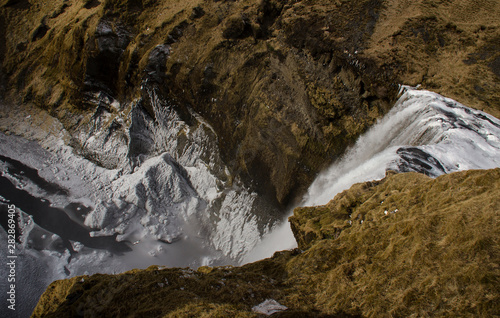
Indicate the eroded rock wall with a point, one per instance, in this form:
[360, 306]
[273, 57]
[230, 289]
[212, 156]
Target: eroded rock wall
[287, 85]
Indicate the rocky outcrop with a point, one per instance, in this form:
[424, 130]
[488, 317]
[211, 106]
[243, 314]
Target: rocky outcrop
[405, 245]
[286, 85]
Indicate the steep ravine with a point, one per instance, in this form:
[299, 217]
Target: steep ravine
[423, 132]
[174, 209]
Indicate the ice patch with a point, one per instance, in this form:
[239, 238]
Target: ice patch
[156, 184]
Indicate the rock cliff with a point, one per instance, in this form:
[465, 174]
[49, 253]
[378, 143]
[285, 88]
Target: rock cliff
[405, 245]
[287, 85]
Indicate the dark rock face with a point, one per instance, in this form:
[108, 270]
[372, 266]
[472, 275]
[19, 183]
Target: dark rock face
[105, 52]
[39, 32]
[198, 12]
[413, 157]
[20, 4]
[89, 4]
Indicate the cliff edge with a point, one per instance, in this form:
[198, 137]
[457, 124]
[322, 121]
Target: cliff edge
[407, 245]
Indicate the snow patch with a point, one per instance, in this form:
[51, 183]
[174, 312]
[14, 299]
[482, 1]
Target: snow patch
[269, 307]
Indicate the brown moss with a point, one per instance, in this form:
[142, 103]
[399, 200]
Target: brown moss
[432, 42]
[234, 64]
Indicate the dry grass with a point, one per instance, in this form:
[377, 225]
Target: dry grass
[435, 40]
[437, 256]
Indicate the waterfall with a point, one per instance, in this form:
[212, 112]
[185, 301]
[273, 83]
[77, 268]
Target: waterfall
[424, 132]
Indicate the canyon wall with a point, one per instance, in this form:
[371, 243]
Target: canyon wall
[286, 85]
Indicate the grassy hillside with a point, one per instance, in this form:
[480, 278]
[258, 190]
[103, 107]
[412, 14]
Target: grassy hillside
[287, 85]
[405, 246]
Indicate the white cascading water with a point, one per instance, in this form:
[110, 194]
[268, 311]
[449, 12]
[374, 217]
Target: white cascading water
[423, 132]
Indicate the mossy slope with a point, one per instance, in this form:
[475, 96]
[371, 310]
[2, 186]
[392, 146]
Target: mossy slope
[287, 85]
[434, 253]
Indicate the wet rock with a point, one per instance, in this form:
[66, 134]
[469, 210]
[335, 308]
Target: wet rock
[415, 159]
[156, 67]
